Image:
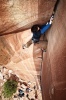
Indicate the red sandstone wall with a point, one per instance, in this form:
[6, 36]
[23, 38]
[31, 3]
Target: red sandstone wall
[54, 64]
[15, 16]
[12, 15]
[19, 15]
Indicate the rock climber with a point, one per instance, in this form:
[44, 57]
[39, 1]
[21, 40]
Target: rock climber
[37, 31]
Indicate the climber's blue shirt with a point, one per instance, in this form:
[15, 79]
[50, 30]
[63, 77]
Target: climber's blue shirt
[37, 35]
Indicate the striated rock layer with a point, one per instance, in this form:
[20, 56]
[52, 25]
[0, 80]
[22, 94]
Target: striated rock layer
[15, 17]
[19, 15]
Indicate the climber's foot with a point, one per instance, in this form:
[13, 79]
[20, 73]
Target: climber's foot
[24, 46]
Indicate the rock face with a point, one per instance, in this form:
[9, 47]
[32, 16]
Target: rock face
[54, 65]
[19, 15]
[16, 16]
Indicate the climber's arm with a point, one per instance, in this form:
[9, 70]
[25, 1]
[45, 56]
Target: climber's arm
[45, 28]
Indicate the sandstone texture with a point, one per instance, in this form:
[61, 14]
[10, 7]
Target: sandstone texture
[16, 16]
[16, 19]
[54, 62]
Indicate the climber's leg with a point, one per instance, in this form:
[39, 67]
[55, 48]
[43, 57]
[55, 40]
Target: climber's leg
[42, 44]
[27, 44]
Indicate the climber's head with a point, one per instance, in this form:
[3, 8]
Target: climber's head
[35, 28]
